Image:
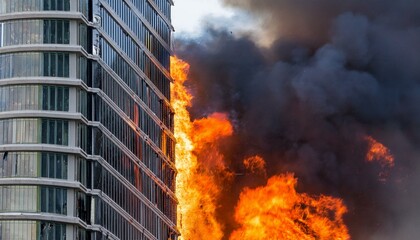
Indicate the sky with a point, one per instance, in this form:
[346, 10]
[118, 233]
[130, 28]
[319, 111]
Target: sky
[188, 16]
[192, 19]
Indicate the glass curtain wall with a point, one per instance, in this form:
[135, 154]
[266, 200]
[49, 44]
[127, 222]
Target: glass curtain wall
[113, 72]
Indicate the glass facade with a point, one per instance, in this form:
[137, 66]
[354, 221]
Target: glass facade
[12, 6]
[86, 125]
[34, 64]
[19, 32]
[32, 230]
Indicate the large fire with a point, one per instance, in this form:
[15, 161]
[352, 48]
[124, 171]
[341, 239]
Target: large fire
[197, 182]
[275, 211]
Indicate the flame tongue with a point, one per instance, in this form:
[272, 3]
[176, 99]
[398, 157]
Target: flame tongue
[380, 153]
[255, 165]
[197, 182]
[277, 211]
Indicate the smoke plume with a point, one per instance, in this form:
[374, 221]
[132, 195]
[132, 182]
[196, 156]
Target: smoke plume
[334, 73]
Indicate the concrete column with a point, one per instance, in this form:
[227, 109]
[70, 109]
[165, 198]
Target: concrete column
[73, 66]
[74, 5]
[71, 168]
[71, 208]
[72, 133]
[74, 33]
[73, 100]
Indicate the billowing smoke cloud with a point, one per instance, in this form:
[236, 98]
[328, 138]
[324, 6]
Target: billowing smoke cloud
[336, 72]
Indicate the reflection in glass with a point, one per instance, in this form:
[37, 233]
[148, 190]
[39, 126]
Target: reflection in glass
[33, 31]
[18, 230]
[19, 97]
[18, 198]
[53, 200]
[33, 64]
[54, 165]
[33, 164]
[29, 131]
[18, 131]
[32, 230]
[54, 131]
[18, 164]
[10, 6]
[22, 97]
[25, 199]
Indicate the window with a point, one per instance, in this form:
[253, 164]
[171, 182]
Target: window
[34, 164]
[84, 7]
[18, 230]
[19, 97]
[83, 102]
[22, 97]
[31, 64]
[35, 31]
[18, 164]
[82, 68]
[18, 198]
[57, 31]
[83, 38]
[82, 140]
[54, 165]
[55, 98]
[57, 5]
[52, 231]
[18, 131]
[83, 206]
[1, 34]
[56, 64]
[55, 131]
[53, 200]
[9, 6]
[25, 199]
[82, 170]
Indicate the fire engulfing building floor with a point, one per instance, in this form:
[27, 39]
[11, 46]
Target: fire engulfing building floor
[86, 126]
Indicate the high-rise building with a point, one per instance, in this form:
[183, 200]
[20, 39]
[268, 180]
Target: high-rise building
[86, 126]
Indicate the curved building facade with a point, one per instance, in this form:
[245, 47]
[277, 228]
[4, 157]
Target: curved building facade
[86, 126]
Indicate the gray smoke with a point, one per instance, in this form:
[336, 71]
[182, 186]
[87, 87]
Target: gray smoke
[336, 72]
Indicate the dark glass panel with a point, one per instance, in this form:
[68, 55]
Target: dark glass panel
[60, 99]
[44, 98]
[59, 136]
[44, 165]
[44, 133]
[52, 100]
[66, 99]
[60, 65]
[51, 130]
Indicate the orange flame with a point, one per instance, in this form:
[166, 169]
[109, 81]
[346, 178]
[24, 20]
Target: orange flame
[200, 165]
[277, 211]
[255, 165]
[379, 152]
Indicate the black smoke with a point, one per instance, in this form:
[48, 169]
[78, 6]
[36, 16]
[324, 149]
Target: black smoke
[336, 71]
